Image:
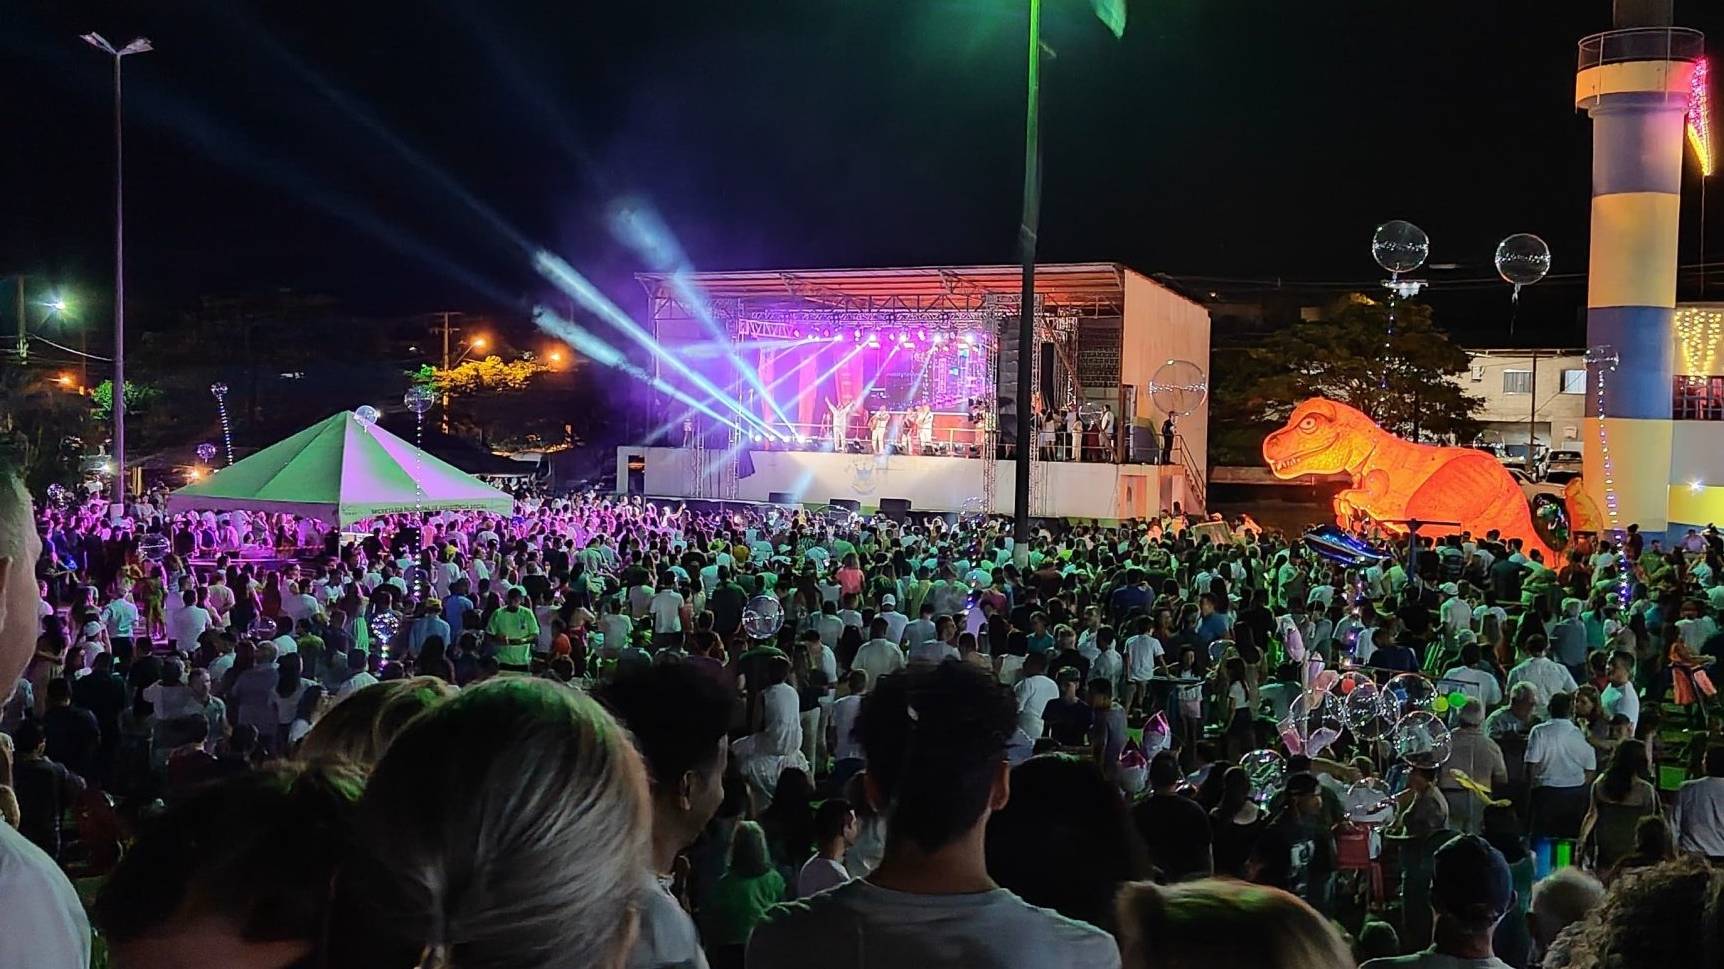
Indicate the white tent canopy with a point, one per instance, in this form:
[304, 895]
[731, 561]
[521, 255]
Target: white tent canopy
[341, 470]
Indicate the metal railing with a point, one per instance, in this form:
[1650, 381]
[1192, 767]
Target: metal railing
[1641, 44]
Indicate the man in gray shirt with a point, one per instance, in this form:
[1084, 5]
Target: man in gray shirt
[935, 741]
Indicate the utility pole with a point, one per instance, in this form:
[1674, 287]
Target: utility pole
[1532, 417]
[23, 334]
[138, 46]
[443, 415]
[1027, 231]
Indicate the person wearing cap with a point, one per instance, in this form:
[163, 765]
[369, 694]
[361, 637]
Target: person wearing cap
[1296, 852]
[895, 620]
[1471, 891]
[1475, 754]
[1457, 612]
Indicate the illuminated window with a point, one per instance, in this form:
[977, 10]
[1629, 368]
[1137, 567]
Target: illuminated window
[1698, 399]
[1517, 381]
[1574, 381]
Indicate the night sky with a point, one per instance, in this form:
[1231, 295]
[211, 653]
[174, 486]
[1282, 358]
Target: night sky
[270, 145]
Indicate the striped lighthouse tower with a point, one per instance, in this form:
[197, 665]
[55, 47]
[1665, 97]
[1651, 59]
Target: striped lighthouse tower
[1633, 82]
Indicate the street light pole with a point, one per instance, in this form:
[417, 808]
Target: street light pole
[23, 334]
[443, 415]
[138, 46]
[1027, 230]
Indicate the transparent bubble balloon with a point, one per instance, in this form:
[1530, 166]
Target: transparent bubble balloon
[1218, 649]
[837, 514]
[973, 510]
[1349, 681]
[1522, 259]
[261, 628]
[1178, 387]
[218, 389]
[1422, 739]
[419, 399]
[1400, 246]
[762, 616]
[1266, 770]
[1313, 722]
[384, 626]
[206, 452]
[154, 546]
[367, 414]
[1369, 801]
[1368, 711]
[1410, 692]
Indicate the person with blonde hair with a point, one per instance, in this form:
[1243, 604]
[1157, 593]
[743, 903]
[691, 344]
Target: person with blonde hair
[1215, 922]
[506, 828]
[359, 729]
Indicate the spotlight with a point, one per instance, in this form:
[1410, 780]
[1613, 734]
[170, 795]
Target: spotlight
[921, 334]
[969, 339]
[1696, 486]
[939, 338]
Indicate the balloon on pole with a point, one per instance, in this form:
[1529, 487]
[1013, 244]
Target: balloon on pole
[1521, 260]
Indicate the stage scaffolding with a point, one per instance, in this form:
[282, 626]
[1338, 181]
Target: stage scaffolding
[752, 306]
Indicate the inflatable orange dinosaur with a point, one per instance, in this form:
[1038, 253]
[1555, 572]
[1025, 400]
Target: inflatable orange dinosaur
[1397, 480]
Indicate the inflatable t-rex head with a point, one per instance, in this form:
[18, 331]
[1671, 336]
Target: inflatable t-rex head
[1321, 437]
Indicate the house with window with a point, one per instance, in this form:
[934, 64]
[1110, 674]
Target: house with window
[1539, 390]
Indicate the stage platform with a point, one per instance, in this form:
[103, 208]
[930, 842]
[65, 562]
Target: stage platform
[1058, 489]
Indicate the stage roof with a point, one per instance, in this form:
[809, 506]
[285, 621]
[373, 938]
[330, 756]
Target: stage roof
[340, 470]
[915, 287]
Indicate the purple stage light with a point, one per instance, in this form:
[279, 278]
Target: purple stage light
[796, 331]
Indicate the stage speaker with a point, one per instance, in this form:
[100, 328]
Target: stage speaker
[781, 498]
[895, 509]
[1141, 445]
[848, 504]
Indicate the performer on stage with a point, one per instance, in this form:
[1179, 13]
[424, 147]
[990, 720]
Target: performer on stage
[1107, 433]
[877, 428]
[925, 429]
[840, 415]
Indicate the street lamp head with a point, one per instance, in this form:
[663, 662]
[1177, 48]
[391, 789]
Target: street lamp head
[99, 42]
[136, 47]
[556, 356]
[478, 343]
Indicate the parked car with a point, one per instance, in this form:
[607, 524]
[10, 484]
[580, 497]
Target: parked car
[1534, 489]
[1514, 456]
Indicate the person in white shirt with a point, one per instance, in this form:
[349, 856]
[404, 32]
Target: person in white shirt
[1560, 765]
[666, 610]
[1456, 611]
[827, 624]
[615, 627]
[930, 904]
[187, 623]
[844, 743]
[895, 620]
[919, 630]
[44, 925]
[296, 605]
[879, 655]
[1033, 693]
[120, 615]
[835, 830]
[1547, 675]
[1620, 698]
[1475, 682]
[1698, 815]
[1143, 653]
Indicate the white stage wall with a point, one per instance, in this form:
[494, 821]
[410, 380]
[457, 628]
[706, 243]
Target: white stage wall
[1061, 489]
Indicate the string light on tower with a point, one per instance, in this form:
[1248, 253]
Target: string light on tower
[219, 391]
[1602, 361]
[1699, 122]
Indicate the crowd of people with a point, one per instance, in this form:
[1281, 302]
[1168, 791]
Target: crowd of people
[615, 732]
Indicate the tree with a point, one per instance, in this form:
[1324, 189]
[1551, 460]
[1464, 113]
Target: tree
[1403, 382]
[488, 390]
[139, 397]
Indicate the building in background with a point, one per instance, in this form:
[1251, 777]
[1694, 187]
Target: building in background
[1540, 390]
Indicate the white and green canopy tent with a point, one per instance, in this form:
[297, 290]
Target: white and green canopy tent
[341, 470]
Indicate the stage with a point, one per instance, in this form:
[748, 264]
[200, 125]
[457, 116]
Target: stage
[1058, 489]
